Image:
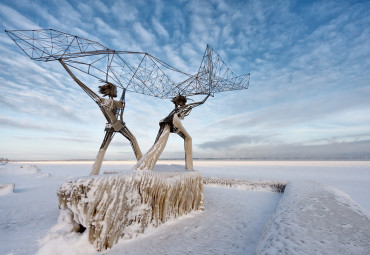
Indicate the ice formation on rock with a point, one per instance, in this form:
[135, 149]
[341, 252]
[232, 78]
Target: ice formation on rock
[119, 206]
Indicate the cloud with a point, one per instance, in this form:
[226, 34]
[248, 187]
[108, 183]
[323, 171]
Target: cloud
[124, 11]
[12, 19]
[159, 28]
[101, 6]
[146, 36]
[104, 28]
[359, 150]
[232, 142]
[308, 62]
[29, 125]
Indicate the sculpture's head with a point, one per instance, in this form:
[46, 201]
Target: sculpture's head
[179, 100]
[108, 89]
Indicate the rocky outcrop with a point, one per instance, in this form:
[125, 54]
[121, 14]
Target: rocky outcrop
[118, 206]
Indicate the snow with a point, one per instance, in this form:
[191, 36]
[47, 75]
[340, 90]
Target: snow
[234, 220]
[312, 218]
[6, 188]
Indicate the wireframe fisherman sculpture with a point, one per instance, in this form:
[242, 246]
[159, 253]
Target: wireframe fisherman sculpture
[112, 110]
[140, 73]
[171, 124]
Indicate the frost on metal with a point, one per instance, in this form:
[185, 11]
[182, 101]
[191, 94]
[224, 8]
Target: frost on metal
[114, 207]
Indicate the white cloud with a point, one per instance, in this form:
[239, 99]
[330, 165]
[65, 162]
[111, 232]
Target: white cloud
[308, 62]
[159, 28]
[104, 28]
[124, 11]
[12, 19]
[101, 7]
[146, 36]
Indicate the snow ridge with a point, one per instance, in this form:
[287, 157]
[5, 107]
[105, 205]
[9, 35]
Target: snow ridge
[273, 186]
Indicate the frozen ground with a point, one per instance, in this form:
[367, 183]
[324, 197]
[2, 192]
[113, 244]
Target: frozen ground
[232, 223]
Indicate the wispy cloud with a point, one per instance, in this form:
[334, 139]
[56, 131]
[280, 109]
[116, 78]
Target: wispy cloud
[27, 124]
[308, 61]
[144, 34]
[231, 142]
[159, 28]
[12, 19]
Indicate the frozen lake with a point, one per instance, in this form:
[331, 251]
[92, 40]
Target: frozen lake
[232, 222]
[351, 177]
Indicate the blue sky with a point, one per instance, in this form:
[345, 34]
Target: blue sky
[308, 96]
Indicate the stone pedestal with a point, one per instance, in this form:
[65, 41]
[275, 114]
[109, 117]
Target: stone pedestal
[111, 207]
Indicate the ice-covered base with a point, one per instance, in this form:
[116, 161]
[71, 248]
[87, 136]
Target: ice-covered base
[316, 219]
[118, 206]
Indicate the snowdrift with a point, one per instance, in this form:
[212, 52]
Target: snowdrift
[7, 188]
[119, 206]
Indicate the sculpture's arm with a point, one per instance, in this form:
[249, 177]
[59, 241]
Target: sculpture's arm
[197, 103]
[186, 109]
[91, 93]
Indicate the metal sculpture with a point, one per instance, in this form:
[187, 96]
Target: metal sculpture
[49, 45]
[137, 72]
[113, 112]
[171, 124]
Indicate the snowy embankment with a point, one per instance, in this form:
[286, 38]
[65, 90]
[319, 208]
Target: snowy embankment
[315, 219]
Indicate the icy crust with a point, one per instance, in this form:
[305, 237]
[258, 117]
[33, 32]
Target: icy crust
[273, 186]
[315, 219]
[119, 206]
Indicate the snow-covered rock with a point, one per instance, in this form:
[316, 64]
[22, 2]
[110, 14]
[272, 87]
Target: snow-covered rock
[316, 219]
[6, 188]
[119, 206]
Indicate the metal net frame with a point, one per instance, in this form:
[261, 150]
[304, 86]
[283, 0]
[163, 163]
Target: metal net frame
[137, 72]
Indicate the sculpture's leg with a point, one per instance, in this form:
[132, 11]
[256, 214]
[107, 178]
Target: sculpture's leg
[99, 158]
[188, 142]
[148, 161]
[135, 146]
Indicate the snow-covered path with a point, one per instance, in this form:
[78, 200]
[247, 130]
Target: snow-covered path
[315, 219]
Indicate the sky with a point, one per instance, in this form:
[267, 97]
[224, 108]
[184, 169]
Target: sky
[308, 96]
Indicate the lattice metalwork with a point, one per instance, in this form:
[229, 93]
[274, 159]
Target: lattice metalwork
[138, 72]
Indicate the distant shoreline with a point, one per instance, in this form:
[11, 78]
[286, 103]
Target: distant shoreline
[176, 159]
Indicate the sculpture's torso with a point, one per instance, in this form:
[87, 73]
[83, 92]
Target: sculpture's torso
[111, 106]
[170, 119]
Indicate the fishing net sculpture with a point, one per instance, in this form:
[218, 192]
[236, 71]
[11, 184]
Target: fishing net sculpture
[137, 72]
